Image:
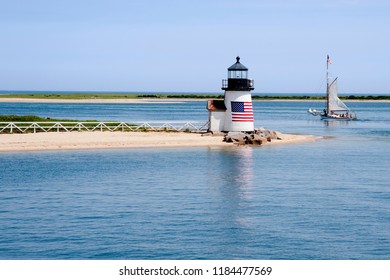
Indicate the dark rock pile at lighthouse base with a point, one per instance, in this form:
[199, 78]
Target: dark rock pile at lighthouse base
[259, 136]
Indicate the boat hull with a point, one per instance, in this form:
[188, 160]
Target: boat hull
[337, 118]
[345, 117]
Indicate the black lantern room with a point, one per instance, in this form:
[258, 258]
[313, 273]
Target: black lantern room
[237, 78]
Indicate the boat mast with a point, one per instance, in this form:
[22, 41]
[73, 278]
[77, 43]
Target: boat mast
[327, 84]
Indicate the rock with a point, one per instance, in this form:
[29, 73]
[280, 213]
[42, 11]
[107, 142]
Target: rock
[228, 139]
[279, 135]
[258, 140]
[236, 137]
[274, 136]
[260, 136]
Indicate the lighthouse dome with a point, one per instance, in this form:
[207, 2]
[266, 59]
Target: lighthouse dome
[237, 66]
[237, 78]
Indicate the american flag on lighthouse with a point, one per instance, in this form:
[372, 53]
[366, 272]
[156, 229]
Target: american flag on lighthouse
[242, 111]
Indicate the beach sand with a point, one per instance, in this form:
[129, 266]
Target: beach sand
[109, 140]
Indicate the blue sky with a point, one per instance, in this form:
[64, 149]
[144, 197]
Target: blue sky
[186, 46]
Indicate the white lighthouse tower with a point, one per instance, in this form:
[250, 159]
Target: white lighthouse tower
[236, 112]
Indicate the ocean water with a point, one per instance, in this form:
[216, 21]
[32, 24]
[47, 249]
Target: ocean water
[328, 199]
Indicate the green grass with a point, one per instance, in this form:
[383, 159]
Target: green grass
[366, 97]
[286, 97]
[186, 96]
[30, 118]
[320, 98]
[71, 96]
[110, 96]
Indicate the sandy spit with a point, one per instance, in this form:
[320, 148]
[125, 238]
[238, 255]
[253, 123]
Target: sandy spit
[110, 140]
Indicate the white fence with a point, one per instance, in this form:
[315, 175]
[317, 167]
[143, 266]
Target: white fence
[34, 127]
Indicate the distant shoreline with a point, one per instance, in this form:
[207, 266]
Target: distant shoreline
[158, 100]
[166, 97]
[94, 101]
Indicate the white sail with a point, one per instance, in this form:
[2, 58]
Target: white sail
[335, 104]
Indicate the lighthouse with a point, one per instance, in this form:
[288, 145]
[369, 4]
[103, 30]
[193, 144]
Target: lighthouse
[235, 113]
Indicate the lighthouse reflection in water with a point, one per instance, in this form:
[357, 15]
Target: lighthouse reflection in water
[234, 186]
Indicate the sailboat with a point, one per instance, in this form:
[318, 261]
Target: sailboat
[335, 108]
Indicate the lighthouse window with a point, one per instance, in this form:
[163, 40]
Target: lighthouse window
[238, 74]
[234, 74]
